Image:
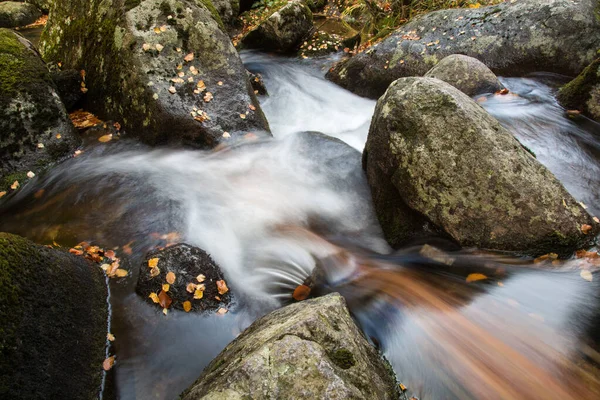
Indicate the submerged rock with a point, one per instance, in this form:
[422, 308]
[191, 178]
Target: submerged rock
[282, 31]
[436, 160]
[308, 350]
[35, 129]
[583, 92]
[511, 38]
[163, 68]
[14, 14]
[54, 316]
[186, 263]
[258, 84]
[467, 74]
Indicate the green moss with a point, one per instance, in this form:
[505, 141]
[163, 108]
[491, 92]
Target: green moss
[343, 358]
[576, 93]
[8, 180]
[215, 14]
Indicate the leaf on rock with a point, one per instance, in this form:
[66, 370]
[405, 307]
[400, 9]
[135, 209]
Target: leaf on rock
[159, 47]
[222, 311]
[165, 311]
[172, 90]
[121, 273]
[222, 287]
[145, 47]
[170, 277]
[108, 363]
[30, 174]
[476, 277]
[154, 272]
[243, 116]
[14, 185]
[105, 138]
[585, 228]
[166, 287]
[164, 299]
[200, 278]
[191, 287]
[198, 294]
[187, 306]
[154, 297]
[110, 337]
[2, 194]
[189, 57]
[153, 262]
[587, 275]
[208, 97]
[301, 292]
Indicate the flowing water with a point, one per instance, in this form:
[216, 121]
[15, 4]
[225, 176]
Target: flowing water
[232, 203]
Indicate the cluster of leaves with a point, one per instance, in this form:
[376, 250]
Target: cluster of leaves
[108, 260]
[320, 43]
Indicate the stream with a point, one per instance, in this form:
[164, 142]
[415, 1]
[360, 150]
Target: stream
[227, 202]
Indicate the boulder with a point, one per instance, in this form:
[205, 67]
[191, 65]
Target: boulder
[43, 5]
[283, 31]
[467, 74]
[436, 160]
[186, 263]
[68, 83]
[35, 129]
[308, 350]
[258, 83]
[583, 92]
[228, 10]
[511, 38]
[14, 14]
[163, 68]
[54, 314]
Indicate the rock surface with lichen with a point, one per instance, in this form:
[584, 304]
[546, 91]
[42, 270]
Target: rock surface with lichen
[437, 161]
[511, 38]
[162, 68]
[583, 92]
[467, 74]
[14, 14]
[54, 313]
[283, 31]
[308, 350]
[35, 129]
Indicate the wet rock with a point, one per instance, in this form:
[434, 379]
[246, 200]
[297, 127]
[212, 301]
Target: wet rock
[467, 74]
[583, 92]
[31, 113]
[151, 65]
[43, 5]
[228, 10]
[511, 38]
[436, 160]
[283, 31]
[68, 83]
[14, 14]
[308, 350]
[258, 84]
[54, 316]
[186, 262]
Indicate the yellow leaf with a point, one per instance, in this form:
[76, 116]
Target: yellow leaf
[165, 311]
[476, 5]
[166, 287]
[587, 275]
[154, 297]
[208, 97]
[198, 294]
[2, 194]
[159, 47]
[191, 287]
[154, 272]
[110, 337]
[108, 363]
[15, 185]
[105, 138]
[200, 278]
[121, 273]
[170, 277]
[187, 306]
[476, 277]
[153, 262]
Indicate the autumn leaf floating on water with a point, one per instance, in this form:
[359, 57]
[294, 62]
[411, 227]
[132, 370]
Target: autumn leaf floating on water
[108, 260]
[475, 277]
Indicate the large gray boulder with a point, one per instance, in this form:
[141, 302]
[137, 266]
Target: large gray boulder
[228, 10]
[308, 350]
[511, 38]
[467, 74]
[583, 92]
[54, 312]
[282, 31]
[435, 159]
[14, 14]
[35, 129]
[163, 68]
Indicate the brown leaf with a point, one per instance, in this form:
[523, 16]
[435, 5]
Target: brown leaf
[189, 57]
[301, 292]
[251, 106]
[208, 97]
[170, 277]
[164, 299]
[585, 228]
[476, 277]
[502, 92]
[187, 306]
[222, 287]
[76, 252]
[108, 363]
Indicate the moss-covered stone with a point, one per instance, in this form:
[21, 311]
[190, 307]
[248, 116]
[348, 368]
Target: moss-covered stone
[31, 113]
[54, 317]
[583, 92]
[132, 70]
[436, 160]
[14, 14]
[309, 350]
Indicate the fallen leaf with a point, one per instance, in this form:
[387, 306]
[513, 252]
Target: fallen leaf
[187, 306]
[476, 277]
[30, 174]
[105, 138]
[226, 135]
[198, 294]
[154, 297]
[243, 116]
[165, 311]
[587, 275]
[14, 185]
[549, 256]
[159, 47]
[220, 83]
[170, 277]
[172, 90]
[41, 145]
[208, 97]
[157, 30]
[153, 262]
[301, 292]
[596, 220]
[110, 254]
[222, 287]
[77, 252]
[121, 273]
[166, 287]
[145, 47]
[402, 387]
[191, 287]
[585, 228]
[200, 278]
[250, 106]
[163, 28]
[110, 337]
[108, 363]
[222, 311]
[164, 299]
[502, 92]
[2, 194]
[154, 272]
[189, 57]
[201, 85]
[500, 284]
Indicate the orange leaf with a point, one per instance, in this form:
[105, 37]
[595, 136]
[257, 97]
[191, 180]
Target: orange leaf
[166, 287]
[170, 277]
[301, 293]
[164, 299]
[222, 287]
[476, 277]
[198, 294]
[105, 138]
[121, 273]
[191, 287]
[15, 185]
[108, 363]
[187, 306]
[2, 194]
[110, 337]
[154, 297]
[200, 278]
[189, 57]
[585, 228]
[153, 262]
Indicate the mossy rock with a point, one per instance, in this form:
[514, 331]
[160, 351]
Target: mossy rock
[438, 162]
[583, 92]
[54, 316]
[14, 14]
[31, 113]
[228, 10]
[308, 350]
[134, 53]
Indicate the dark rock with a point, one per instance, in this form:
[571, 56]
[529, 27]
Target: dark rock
[467, 74]
[510, 38]
[283, 31]
[31, 113]
[583, 92]
[14, 14]
[435, 158]
[228, 10]
[186, 262]
[43, 5]
[316, 5]
[68, 83]
[132, 70]
[258, 84]
[54, 316]
[308, 350]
